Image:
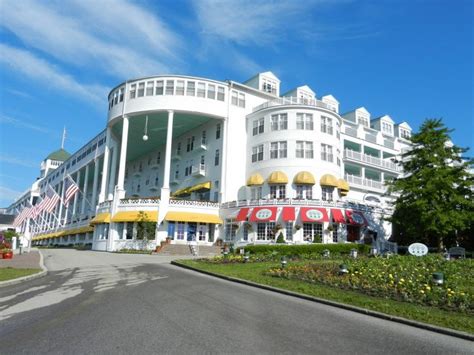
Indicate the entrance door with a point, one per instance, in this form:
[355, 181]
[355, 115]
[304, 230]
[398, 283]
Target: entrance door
[353, 233]
[191, 232]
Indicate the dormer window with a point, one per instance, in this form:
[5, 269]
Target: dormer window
[404, 133]
[387, 128]
[269, 86]
[364, 121]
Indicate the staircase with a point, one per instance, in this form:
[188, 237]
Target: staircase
[180, 249]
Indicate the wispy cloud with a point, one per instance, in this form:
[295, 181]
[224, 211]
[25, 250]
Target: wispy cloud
[17, 161]
[116, 36]
[28, 64]
[19, 93]
[9, 194]
[22, 124]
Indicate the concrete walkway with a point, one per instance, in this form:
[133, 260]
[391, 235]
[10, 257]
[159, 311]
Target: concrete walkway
[29, 260]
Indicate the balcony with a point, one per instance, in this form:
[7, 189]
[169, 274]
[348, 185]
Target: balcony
[202, 146]
[176, 156]
[199, 170]
[366, 183]
[154, 188]
[284, 101]
[350, 131]
[371, 160]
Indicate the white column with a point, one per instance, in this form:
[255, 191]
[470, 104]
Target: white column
[84, 190]
[105, 167]
[94, 185]
[113, 172]
[123, 158]
[165, 189]
[76, 196]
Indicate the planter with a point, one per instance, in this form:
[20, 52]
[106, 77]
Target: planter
[7, 255]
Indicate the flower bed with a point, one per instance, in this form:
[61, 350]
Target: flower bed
[402, 278]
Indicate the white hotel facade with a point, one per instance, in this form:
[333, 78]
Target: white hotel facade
[219, 160]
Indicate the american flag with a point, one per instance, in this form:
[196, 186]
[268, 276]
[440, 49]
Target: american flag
[70, 189]
[21, 216]
[39, 207]
[54, 198]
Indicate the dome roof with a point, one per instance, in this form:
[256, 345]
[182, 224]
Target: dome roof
[328, 180]
[59, 154]
[304, 178]
[255, 180]
[277, 177]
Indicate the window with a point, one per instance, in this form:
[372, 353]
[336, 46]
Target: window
[180, 231]
[258, 126]
[159, 87]
[129, 230]
[180, 87]
[405, 133]
[133, 91]
[334, 233]
[269, 86]
[326, 153]
[312, 230]
[176, 172]
[169, 87]
[178, 148]
[191, 89]
[241, 100]
[230, 230]
[326, 125]
[203, 138]
[304, 192]
[141, 89]
[364, 121]
[158, 158]
[304, 121]
[149, 88]
[256, 193]
[386, 128]
[116, 98]
[220, 93]
[190, 144]
[265, 231]
[201, 90]
[327, 193]
[218, 131]
[211, 91]
[277, 191]
[289, 231]
[257, 153]
[279, 122]
[201, 232]
[121, 95]
[234, 98]
[304, 149]
[245, 232]
[216, 158]
[278, 150]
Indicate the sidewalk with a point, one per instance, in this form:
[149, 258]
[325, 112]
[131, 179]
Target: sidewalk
[29, 260]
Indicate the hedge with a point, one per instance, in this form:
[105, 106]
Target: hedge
[306, 248]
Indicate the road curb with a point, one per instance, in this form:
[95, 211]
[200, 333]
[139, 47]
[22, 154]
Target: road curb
[42, 273]
[433, 328]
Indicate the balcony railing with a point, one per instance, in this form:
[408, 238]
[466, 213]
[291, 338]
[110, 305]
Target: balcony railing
[368, 183]
[350, 132]
[366, 158]
[104, 207]
[192, 203]
[199, 170]
[282, 101]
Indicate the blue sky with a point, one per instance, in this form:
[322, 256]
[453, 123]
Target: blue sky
[58, 59]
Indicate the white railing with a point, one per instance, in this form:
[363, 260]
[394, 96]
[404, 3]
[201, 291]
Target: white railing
[366, 158]
[293, 101]
[104, 207]
[139, 201]
[193, 203]
[358, 180]
[198, 170]
[295, 202]
[350, 131]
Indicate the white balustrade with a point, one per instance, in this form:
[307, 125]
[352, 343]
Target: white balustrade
[282, 101]
[366, 158]
[357, 180]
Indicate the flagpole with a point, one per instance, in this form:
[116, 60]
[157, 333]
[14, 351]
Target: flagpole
[61, 202]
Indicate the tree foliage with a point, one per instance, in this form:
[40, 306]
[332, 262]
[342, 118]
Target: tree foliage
[145, 228]
[434, 197]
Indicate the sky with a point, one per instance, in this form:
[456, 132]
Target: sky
[410, 59]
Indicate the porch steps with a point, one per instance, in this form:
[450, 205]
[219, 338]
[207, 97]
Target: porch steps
[177, 249]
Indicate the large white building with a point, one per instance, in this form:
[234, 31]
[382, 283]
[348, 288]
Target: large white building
[219, 160]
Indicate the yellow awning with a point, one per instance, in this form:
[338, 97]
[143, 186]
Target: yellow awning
[255, 180]
[181, 192]
[202, 186]
[134, 216]
[343, 192]
[328, 180]
[101, 218]
[304, 178]
[343, 185]
[277, 177]
[193, 217]
[80, 230]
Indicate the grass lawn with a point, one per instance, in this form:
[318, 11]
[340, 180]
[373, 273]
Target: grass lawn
[9, 273]
[427, 314]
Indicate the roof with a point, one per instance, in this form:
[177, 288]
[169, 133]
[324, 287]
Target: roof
[7, 218]
[59, 154]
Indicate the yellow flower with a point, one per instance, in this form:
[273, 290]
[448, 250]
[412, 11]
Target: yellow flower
[421, 291]
[428, 288]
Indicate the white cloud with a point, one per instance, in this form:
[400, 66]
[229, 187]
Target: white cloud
[22, 124]
[18, 161]
[118, 37]
[36, 68]
[9, 194]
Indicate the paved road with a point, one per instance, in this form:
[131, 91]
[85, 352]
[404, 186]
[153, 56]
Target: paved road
[99, 303]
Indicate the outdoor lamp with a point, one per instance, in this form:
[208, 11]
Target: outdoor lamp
[343, 269]
[353, 253]
[326, 253]
[145, 135]
[283, 262]
[438, 278]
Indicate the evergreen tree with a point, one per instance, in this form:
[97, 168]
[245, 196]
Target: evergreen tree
[434, 197]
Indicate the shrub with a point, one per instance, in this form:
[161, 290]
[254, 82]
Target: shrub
[317, 239]
[280, 239]
[306, 249]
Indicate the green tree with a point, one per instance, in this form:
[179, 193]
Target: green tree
[145, 228]
[434, 197]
